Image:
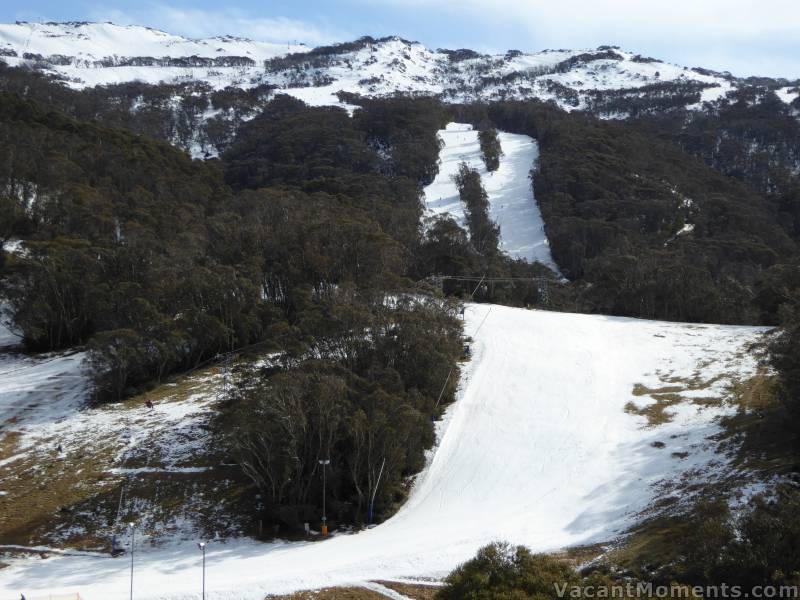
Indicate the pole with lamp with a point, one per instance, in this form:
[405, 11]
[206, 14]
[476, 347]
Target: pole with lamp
[324, 463]
[133, 539]
[202, 546]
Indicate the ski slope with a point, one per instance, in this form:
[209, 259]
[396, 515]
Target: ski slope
[512, 205]
[539, 449]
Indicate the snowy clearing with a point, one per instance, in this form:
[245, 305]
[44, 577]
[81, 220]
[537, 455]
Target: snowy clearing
[512, 205]
[543, 447]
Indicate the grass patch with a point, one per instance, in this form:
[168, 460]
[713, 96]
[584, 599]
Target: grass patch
[671, 394]
[74, 499]
[760, 443]
[761, 437]
[42, 489]
[651, 543]
[411, 590]
[643, 390]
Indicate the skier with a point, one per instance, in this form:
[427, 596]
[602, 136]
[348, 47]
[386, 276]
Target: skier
[149, 405]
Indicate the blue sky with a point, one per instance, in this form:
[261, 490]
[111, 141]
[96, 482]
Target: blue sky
[746, 37]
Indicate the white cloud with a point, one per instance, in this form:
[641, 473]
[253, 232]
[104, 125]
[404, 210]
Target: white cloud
[744, 36]
[199, 23]
[721, 19]
[737, 34]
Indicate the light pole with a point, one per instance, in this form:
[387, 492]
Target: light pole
[324, 463]
[133, 539]
[202, 546]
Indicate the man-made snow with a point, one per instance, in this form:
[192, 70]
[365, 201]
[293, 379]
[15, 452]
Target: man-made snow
[512, 205]
[541, 448]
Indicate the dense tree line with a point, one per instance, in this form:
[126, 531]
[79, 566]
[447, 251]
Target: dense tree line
[785, 346]
[484, 234]
[653, 99]
[153, 258]
[105, 213]
[378, 159]
[751, 135]
[192, 116]
[656, 233]
[490, 148]
[386, 370]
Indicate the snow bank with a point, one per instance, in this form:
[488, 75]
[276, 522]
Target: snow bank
[539, 449]
[512, 205]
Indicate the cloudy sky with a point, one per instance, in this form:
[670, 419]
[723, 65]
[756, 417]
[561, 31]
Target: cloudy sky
[746, 37]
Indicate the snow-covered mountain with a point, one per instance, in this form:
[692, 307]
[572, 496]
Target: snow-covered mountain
[93, 44]
[89, 54]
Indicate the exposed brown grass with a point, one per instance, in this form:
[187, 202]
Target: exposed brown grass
[74, 499]
[669, 395]
[759, 440]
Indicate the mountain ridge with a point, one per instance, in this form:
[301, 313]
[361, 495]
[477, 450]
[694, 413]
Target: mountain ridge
[85, 54]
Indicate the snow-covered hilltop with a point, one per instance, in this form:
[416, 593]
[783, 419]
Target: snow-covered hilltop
[89, 54]
[90, 44]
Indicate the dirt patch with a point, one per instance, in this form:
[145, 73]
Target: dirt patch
[415, 591]
[351, 593]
